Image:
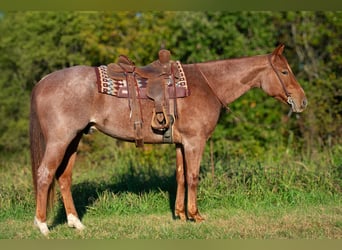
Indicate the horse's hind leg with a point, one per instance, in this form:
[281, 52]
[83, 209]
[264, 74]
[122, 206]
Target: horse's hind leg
[64, 177]
[52, 158]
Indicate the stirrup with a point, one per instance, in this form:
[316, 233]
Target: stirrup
[160, 121]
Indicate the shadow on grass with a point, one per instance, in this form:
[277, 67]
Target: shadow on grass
[86, 193]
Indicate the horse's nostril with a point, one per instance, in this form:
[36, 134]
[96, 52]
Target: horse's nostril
[304, 103]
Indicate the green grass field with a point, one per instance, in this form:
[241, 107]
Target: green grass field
[118, 197]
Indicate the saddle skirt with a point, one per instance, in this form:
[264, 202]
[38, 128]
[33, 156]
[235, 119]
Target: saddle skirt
[177, 86]
[162, 81]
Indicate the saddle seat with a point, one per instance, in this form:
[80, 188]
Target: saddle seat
[156, 76]
[153, 70]
[162, 81]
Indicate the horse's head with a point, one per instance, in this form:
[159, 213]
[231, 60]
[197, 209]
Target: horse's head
[282, 83]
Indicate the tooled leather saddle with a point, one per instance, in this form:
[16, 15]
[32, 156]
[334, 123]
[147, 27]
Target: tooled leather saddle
[161, 81]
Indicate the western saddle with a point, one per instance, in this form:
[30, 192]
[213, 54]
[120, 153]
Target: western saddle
[160, 78]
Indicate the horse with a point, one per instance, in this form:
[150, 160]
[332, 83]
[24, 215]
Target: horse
[66, 103]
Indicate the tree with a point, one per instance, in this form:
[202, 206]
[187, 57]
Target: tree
[33, 44]
[315, 39]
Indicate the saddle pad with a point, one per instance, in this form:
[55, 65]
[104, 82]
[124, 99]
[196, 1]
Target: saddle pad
[119, 87]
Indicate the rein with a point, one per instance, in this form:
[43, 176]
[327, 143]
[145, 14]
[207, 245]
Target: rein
[211, 88]
[289, 98]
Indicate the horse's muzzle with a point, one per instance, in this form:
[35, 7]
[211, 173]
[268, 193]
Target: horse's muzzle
[297, 107]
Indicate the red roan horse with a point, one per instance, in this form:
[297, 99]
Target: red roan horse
[66, 102]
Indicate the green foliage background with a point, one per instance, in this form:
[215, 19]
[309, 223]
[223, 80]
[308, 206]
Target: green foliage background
[259, 161]
[33, 44]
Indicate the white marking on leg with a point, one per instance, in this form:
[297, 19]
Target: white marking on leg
[42, 226]
[73, 221]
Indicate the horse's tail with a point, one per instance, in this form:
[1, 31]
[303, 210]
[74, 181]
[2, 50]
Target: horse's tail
[37, 149]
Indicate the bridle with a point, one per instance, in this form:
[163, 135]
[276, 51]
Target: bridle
[289, 98]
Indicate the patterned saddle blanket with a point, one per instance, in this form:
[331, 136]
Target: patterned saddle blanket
[177, 86]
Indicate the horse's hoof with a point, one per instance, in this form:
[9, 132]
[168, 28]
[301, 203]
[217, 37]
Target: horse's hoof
[75, 222]
[42, 226]
[180, 215]
[196, 217]
[199, 219]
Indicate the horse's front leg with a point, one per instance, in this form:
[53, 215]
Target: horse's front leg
[193, 154]
[180, 196]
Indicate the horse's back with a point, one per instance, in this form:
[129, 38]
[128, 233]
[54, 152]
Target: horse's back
[67, 82]
[68, 76]
[64, 97]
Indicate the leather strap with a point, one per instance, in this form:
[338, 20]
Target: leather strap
[280, 80]
[135, 110]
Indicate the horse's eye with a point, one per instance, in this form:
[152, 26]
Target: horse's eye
[285, 72]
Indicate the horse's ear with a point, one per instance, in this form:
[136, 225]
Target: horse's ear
[279, 50]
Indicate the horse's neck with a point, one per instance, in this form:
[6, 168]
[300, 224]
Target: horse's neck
[231, 78]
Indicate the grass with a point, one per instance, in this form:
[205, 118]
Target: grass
[312, 222]
[280, 196]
